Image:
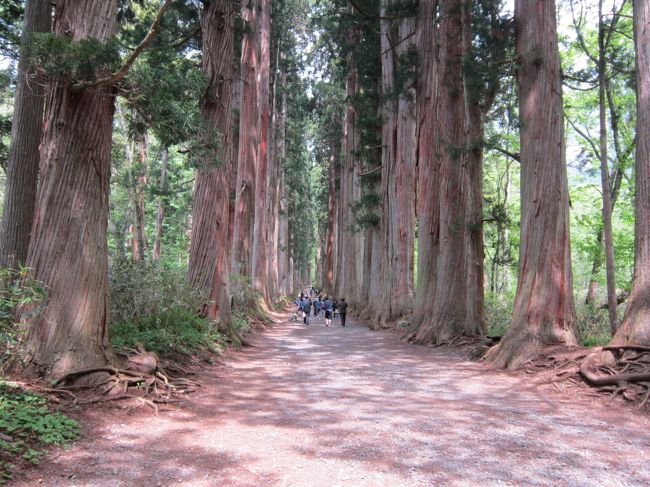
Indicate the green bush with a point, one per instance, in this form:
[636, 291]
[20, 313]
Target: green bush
[592, 326]
[498, 312]
[17, 290]
[29, 426]
[154, 306]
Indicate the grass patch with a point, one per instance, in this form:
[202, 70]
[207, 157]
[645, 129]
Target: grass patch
[28, 427]
[172, 331]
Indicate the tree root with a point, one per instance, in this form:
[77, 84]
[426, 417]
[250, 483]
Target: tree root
[144, 381]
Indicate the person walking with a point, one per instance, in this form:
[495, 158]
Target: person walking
[327, 305]
[317, 307]
[306, 309]
[343, 311]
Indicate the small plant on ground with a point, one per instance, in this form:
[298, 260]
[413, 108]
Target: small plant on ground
[593, 326]
[154, 306]
[27, 426]
[17, 291]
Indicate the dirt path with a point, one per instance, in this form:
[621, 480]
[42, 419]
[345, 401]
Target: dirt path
[316, 406]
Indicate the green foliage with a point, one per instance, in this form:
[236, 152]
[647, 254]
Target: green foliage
[61, 57]
[11, 12]
[593, 325]
[154, 305]
[27, 421]
[17, 291]
[498, 312]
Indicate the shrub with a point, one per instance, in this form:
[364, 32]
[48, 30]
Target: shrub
[154, 306]
[17, 290]
[29, 426]
[498, 312]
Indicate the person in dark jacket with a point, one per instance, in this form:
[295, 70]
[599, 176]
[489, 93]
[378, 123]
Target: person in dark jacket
[343, 311]
[306, 309]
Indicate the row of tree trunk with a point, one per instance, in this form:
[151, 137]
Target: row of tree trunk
[239, 218]
[432, 132]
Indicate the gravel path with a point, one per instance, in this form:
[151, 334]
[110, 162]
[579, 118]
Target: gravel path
[316, 406]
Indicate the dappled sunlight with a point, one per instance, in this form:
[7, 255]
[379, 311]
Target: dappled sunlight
[352, 407]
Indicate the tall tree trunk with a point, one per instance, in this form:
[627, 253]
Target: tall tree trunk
[427, 191]
[543, 310]
[262, 190]
[328, 274]
[473, 192]
[68, 251]
[140, 183]
[160, 214]
[635, 327]
[350, 259]
[604, 174]
[273, 200]
[209, 259]
[398, 170]
[248, 141]
[284, 268]
[26, 132]
[449, 313]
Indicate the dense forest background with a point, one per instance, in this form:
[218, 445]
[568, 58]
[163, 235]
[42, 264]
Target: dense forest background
[246, 150]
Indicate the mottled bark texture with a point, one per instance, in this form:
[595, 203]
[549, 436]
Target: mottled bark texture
[427, 191]
[397, 226]
[263, 193]
[635, 328]
[68, 251]
[160, 213]
[26, 132]
[248, 142]
[349, 258]
[209, 268]
[543, 309]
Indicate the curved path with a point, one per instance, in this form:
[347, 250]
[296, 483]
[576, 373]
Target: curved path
[316, 406]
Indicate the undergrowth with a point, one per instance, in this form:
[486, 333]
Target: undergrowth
[154, 306]
[17, 291]
[27, 428]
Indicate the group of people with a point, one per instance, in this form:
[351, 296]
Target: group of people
[321, 304]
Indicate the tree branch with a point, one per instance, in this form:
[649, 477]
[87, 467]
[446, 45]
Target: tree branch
[123, 71]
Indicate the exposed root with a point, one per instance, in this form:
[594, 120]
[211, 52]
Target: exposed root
[615, 371]
[143, 380]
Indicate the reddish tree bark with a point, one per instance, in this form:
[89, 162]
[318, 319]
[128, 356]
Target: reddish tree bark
[399, 146]
[543, 310]
[26, 132]
[448, 315]
[427, 191]
[635, 328]
[328, 274]
[284, 272]
[248, 141]
[350, 259]
[160, 214]
[262, 191]
[209, 260]
[68, 251]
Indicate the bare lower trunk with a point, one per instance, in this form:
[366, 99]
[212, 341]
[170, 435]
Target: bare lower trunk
[347, 279]
[209, 263]
[428, 203]
[262, 191]
[543, 310]
[68, 251]
[248, 141]
[398, 172]
[635, 327]
[160, 214]
[604, 174]
[328, 274]
[26, 132]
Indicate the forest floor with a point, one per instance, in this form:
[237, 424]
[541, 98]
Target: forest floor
[316, 406]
